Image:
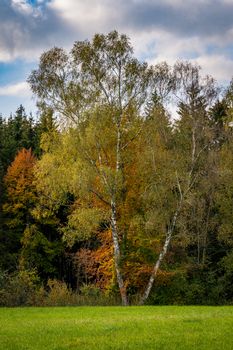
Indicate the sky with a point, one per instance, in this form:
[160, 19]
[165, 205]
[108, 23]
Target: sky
[160, 30]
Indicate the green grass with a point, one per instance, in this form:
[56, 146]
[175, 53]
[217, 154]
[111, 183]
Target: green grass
[106, 328]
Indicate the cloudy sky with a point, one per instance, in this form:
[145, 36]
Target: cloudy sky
[198, 30]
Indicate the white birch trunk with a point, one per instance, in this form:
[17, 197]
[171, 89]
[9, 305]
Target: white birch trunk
[171, 229]
[115, 234]
[117, 255]
[161, 256]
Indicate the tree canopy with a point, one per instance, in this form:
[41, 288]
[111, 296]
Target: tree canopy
[128, 197]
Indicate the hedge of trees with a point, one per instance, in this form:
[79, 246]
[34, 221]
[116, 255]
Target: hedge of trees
[123, 185]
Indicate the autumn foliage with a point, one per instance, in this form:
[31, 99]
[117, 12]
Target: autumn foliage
[20, 185]
[125, 198]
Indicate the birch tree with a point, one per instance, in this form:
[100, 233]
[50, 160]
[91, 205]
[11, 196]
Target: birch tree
[193, 138]
[103, 93]
[101, 72]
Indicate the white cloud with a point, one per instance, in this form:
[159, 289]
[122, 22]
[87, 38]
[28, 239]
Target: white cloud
[21, 89]
[186, 3]
[167, 30]
[89, 16]
[155, 36]
[23, 7]
[5, 56]
[159, 30]
[158, 46]
[219, 66]
[28, 30]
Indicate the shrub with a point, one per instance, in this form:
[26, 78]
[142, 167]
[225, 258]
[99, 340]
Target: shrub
[90, 291]
[19, 288]
[59, 294]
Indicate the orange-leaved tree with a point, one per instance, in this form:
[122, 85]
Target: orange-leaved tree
[20, 196]
[20, 189]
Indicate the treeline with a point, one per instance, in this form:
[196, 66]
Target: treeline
[108, 193]
[20, 137]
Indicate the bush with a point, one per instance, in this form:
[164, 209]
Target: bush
[90, 291]
[195, 286]
[59, 294]
[23, 288]
[19, 288]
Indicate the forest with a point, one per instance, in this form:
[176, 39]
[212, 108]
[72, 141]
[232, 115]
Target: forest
[120, 189]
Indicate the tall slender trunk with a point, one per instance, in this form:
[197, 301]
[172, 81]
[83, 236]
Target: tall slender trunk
[155, 270]
[117, 255]
[115, 233]
[161, 255]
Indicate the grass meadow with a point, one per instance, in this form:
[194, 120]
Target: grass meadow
[106, 328]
